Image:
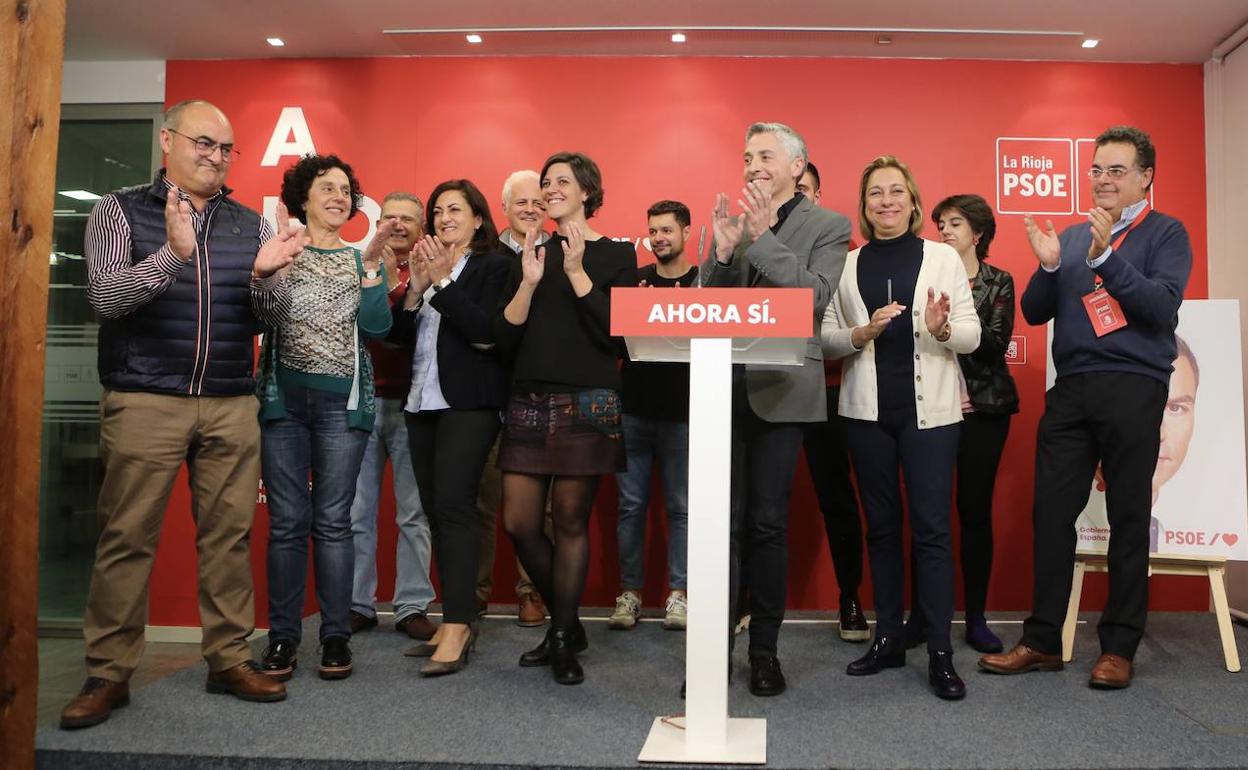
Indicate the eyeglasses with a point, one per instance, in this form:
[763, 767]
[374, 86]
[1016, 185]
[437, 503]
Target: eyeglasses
[206, 147]
[1113, 172]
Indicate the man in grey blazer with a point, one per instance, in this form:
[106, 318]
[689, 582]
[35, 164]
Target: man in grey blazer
[780, 240]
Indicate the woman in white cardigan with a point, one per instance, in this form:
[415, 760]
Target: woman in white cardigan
[900, 315]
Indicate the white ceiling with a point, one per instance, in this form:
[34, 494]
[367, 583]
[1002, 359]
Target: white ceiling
[1129, 30]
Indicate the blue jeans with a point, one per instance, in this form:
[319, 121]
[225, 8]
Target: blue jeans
[312, 438]
[646, 440]
[412, 589]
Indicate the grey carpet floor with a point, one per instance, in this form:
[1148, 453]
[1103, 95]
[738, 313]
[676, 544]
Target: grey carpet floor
[1184, 710]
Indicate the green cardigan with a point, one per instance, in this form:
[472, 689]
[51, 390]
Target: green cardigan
[372, 322]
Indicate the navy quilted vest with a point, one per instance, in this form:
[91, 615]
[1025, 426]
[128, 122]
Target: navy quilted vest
[196, 338]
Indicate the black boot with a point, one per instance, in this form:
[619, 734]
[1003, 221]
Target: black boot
[884, 652]
[540, 655]
[563, 663]
[944, 680]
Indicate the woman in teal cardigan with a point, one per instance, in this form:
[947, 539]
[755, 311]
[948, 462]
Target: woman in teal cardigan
[316, 410]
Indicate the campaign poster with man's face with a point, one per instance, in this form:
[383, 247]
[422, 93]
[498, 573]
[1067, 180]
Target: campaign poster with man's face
[1200, 506]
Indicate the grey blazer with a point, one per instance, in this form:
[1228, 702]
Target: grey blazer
[808, 252]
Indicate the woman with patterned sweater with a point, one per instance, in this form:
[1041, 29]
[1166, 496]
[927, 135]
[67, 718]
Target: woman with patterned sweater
[316, 411]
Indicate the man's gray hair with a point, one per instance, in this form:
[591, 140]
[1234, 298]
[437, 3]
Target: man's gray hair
[400, 195]
[790, 140]
[518, 176]
[173, 115]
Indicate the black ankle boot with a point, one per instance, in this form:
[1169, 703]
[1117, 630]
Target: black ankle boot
[944, 680]
[885, 652]
[540, 655]
[563, 663]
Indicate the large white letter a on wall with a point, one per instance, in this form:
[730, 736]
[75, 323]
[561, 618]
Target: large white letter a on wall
[290, 137]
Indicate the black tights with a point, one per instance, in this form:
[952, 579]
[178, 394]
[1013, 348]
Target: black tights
[558, 569]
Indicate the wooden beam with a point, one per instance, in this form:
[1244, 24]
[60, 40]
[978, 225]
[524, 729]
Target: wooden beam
[32, 44]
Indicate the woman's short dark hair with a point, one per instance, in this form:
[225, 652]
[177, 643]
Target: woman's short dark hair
[978, 215]
[298, 180]
[587, 176]
[485, 237]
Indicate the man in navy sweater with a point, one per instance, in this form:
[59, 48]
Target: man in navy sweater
[1113, 288]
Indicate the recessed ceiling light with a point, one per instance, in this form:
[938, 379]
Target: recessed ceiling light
[474, 38]
[80, 195]
[276, 42]
[1091, 43]
[678, 37]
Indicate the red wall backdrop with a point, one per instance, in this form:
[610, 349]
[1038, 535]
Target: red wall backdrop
[674, 128]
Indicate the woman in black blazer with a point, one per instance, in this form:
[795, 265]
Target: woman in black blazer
[458, 388]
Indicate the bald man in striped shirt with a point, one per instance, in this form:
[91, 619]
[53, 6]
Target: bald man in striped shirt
[183, 277]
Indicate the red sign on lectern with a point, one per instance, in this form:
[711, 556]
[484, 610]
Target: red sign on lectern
[709, 313]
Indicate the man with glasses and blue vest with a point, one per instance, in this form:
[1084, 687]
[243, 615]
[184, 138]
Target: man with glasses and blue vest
[183, 277]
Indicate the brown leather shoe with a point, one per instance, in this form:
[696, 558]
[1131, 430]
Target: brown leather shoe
[1111, 672]
[1019, 660]
[532, 610]
[94, 702]
[361, 622]
[417, 626]
[246, 681]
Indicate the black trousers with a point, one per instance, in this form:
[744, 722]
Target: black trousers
[1113, 418]
[980, 444]
[880, 450]
[827, 457]
[764, 458]
[449, 448]
[979, 455]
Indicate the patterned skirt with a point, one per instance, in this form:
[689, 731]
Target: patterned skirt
[563, 434]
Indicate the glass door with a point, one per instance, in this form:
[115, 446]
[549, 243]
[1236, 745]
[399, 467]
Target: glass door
[102, 148]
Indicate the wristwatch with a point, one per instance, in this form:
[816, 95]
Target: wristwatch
[442, 284]
[372, 274]
[946, 332]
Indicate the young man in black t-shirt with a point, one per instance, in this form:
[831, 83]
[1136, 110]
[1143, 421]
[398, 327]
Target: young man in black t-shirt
[656, 430]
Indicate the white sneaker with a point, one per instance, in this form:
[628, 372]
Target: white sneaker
[627, 610]
[677, 609]
[743, 624]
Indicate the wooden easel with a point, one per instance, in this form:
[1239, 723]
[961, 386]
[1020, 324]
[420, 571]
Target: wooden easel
[1158, 564]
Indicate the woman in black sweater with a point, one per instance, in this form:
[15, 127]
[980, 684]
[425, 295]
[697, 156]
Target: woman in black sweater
[562, 427]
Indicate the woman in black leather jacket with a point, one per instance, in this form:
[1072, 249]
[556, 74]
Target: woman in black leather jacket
[966, 223]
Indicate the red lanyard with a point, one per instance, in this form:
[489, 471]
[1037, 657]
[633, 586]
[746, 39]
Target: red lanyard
[1121, 238]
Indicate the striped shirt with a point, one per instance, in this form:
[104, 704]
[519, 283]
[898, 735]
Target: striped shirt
[117, 287]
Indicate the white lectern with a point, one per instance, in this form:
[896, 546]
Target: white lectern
[711, 329]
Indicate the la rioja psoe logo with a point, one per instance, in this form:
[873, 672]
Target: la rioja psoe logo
[1016, 350]
[1035, 175]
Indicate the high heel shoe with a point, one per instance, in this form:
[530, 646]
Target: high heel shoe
[442, 668]
[563, 662]
[885, 652]
[421, 650]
